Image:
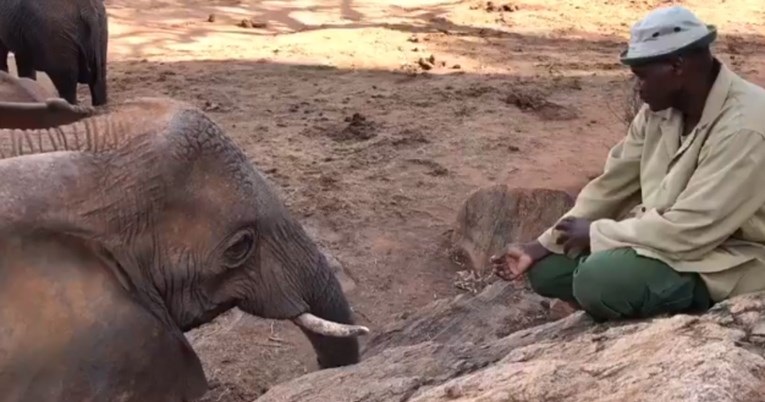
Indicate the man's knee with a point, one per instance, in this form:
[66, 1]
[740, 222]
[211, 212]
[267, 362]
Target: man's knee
[600, 292]
[621, 284]
[552, 277]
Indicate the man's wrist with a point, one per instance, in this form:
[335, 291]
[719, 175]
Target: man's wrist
[536, 250]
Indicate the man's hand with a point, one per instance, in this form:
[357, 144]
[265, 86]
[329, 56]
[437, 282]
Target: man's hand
[575, 233]
[517, 259]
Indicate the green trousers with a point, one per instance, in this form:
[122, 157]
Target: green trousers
[619, 283]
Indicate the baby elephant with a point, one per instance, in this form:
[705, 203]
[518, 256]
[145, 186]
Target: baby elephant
[67, 39]
[123, 230]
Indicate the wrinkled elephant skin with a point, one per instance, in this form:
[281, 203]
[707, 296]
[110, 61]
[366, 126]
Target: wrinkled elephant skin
[122, 230]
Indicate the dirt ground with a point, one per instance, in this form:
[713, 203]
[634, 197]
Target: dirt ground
[375, 119]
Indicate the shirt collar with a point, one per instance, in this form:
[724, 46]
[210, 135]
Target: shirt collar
[717, 95]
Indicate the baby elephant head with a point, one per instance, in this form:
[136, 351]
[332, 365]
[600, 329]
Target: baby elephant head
[191, 223]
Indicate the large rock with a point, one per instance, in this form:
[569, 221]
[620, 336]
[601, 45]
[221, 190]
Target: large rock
[500, 309]
[494, 216]
[717, 357]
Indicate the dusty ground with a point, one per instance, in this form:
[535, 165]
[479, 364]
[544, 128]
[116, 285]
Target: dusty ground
[377, 118]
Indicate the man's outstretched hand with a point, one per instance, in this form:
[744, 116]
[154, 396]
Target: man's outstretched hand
[517, 259]
[575, 233]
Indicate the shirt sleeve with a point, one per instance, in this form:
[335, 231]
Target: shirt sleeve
[615, 188]
[725, 190]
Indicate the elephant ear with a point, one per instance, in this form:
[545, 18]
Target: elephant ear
[40, 115]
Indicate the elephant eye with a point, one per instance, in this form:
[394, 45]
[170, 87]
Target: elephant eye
[239, 248]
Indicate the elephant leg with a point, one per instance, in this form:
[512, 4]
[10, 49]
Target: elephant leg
[66, 84]
[98, 91]
[25, 66]
[3, 57]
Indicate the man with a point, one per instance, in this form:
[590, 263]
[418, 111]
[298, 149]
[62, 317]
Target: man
[676, 221]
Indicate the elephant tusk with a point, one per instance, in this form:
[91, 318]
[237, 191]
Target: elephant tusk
[328, 328]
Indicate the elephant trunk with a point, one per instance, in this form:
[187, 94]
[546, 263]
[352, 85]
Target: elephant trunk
[329, 324]
[298, 285]
[40, 114]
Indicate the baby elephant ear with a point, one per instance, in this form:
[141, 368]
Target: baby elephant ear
[52, 112]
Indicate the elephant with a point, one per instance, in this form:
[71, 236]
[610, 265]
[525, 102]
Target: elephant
[25, 104]
[123, 230]
[67, 39]
[50, 113]
[21, 89]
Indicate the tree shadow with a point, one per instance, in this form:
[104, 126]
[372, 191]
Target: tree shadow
[151, 27]
[348, 12]
[152, 24]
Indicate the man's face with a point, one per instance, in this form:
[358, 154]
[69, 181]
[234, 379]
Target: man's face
[659, 83]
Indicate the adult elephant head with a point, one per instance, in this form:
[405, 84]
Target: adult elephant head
[181, 220]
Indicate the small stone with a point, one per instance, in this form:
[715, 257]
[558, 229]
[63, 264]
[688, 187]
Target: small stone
[759, 329]
[211, 18]
[424, 64]
[454, 391]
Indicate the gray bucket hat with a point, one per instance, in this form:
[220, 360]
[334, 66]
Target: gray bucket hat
[665, 32]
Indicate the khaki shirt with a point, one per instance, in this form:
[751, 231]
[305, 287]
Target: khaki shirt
[695, 203]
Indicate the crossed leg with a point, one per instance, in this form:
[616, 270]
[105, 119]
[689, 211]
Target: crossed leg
[619, 283]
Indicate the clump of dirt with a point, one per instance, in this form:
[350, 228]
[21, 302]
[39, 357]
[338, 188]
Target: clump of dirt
[427, 63]
[526, 100]
[358, 129]
[536, 102]
[409, 137]
[474, 91]
[491, 7]
[248, 23]
[434, 168]
[327, 181]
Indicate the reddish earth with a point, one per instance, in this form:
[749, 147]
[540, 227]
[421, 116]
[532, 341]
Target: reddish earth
[376, 119]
